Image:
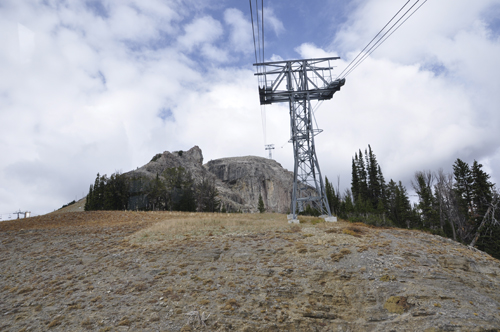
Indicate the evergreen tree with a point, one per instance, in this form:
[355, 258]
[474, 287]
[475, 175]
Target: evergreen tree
[368, 186]
[261, 206]
[481, 190]
[347, 205]
[485, 203]
[362, 179]
[180, 192]
[463, 187]
[354, 177]
[156, 194]
[96, 197]
[206, 196]
[399, 207]
[382, 191]
[187, 200]
[423, 188]
[88, 199]
[137, 193]
[374, 185]
[101, 191]
[332, 198]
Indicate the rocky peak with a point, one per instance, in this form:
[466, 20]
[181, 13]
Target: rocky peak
[193, 155]
[239, 180]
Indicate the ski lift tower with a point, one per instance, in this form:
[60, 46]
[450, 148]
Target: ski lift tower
[270, 147]
[298, 82]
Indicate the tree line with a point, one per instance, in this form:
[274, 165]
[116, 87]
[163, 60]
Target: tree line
[172, 190]
[463, 205]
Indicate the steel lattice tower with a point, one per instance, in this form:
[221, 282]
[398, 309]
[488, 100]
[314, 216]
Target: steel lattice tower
[298, 82]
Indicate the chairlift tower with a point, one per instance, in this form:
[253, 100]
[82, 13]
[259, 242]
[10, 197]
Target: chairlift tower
[298, 82]
[270, 147]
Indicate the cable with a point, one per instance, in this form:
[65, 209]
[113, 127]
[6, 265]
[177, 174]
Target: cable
[262, 5]
[382, 39]
[400, 24]
[374, 37]
[258, 27]
[261, 53]
[263, 116]
[253, 31]
[356, 62]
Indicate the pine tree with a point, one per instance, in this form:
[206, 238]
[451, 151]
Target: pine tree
[383, 189]
[187, 200]
[331, 197]
[485, 204]
[354, 176]
[362, 179]
[481, 190]
[96, 197]
[347, 207]
[206, 196]
[399, 207]
[423, 188]
[374, 185]
[261, 206]
[88, 199]
[463, 187]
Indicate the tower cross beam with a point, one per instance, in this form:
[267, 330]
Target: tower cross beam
[298, 82]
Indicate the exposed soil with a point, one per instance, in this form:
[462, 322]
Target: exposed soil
[118, 271]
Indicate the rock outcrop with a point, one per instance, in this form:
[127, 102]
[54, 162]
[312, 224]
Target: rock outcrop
[239, 180]
[191, 160]
[242, 179]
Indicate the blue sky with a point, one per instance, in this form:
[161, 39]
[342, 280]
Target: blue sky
[103, 86]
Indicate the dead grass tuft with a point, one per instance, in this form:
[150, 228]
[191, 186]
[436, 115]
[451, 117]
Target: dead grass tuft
[56, 321]
[339, 255]
[353, 230]
[125, 321]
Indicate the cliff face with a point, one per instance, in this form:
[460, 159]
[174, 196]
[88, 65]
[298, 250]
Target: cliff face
[245, 178]
[239, 180]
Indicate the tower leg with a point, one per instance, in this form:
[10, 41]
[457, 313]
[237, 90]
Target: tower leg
[308, 186]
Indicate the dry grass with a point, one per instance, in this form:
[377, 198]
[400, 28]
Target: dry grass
[339, 255]
[353, 230]
[182, 225]
[82, 220]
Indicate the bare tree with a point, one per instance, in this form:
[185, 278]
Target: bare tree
[489, 219]
[448, 204]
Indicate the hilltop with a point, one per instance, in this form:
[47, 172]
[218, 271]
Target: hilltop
[171, 271]
[239, 180]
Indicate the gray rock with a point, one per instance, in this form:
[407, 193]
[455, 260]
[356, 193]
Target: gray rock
[239, 180]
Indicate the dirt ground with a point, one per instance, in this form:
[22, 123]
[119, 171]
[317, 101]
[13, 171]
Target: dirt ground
[168, 271]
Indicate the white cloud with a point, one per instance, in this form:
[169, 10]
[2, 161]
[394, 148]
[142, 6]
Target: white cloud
[241, 30]
[26, 43]
[203, 30]
[276, 57]
[309, 51]
[270, 19]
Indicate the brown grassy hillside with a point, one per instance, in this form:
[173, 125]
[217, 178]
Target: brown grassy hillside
[163, 271]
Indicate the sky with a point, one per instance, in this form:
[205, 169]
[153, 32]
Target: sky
[103, 86]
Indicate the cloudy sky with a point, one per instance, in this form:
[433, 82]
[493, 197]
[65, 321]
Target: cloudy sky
[102, 86]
